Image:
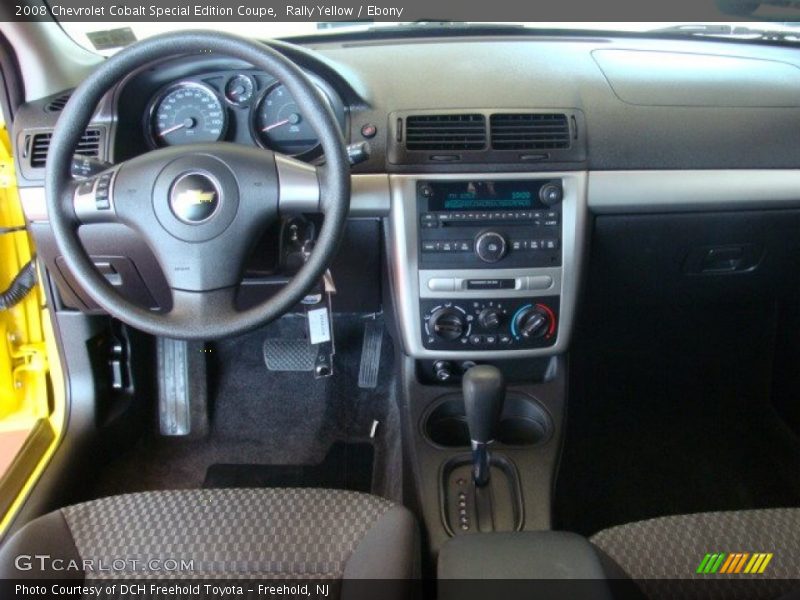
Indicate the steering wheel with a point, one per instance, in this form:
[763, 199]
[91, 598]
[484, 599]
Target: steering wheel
[199, 207]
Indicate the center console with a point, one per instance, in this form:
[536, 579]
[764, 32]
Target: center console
[484, 271]
[486, 266]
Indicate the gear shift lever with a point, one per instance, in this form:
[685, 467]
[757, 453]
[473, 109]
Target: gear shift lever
[484, 391]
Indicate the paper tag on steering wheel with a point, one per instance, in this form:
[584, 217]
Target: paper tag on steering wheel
[319, 316]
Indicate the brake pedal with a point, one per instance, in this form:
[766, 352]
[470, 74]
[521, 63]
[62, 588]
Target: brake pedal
[182, 396]
[289, 354]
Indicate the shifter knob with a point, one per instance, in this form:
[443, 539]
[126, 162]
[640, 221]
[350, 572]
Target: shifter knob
[484, 392]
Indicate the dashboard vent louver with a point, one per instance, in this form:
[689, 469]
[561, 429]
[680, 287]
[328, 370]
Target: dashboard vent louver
[446, 132]
[534, 131]
[89, 145]
[57, 104]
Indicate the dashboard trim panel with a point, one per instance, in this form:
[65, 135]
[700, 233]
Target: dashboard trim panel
[692, 190]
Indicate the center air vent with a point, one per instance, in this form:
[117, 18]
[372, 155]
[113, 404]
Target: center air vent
[89, 145]
[446, 132]
[527, 135]
[533, 131]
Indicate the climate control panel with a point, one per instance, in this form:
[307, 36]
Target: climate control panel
[489, 324]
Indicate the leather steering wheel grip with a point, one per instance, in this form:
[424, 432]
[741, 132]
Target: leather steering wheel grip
[213, 318]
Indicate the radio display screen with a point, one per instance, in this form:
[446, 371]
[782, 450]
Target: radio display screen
[481, 195]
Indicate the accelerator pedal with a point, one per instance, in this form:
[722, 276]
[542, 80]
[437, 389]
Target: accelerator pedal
[370, 354]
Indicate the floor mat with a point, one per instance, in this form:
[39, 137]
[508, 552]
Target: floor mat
[263, 417]
[346, 467]
[669, 413]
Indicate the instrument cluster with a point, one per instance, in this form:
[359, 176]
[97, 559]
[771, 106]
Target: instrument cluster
[237, 106]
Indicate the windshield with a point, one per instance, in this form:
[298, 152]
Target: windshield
[108, 37]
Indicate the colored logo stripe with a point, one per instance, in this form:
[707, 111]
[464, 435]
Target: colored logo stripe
[734, 563]
[711, 563]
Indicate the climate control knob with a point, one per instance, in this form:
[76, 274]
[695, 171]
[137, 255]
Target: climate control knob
[532, 322]
[490, 246]
[490, 318]
[447, 323]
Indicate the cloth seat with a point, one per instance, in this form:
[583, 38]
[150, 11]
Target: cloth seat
[293, 533]
[663, 555]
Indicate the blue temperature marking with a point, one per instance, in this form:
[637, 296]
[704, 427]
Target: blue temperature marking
[514, 319]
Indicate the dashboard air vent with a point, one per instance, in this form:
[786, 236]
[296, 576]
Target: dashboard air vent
[446, 132]
[57, 104]
[535, 131]
[89, 145]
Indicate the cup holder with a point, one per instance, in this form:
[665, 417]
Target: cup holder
[524, 422]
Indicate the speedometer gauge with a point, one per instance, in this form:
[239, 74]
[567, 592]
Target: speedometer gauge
[187, 113]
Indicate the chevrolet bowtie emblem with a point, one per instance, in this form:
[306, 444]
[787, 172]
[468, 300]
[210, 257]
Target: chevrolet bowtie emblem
[193, 197]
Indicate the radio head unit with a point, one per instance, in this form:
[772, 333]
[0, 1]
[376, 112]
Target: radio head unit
[488, 223]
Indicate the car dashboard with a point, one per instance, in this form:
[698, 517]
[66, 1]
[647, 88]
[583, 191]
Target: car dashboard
[504, 175]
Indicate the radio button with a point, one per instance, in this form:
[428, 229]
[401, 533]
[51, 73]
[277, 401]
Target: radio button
[465, 246]
[551, 194]
[441, 284]
[539, 282]
[490, 246]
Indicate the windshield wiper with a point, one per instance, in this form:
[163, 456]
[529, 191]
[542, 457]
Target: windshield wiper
[737, 31]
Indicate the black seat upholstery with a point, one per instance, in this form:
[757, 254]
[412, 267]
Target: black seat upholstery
[671, 549]
[225, 533]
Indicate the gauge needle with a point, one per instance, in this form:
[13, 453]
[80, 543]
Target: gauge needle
[189, 123]
[171, 129]
[274, 125]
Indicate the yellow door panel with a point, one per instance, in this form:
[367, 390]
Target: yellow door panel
[31, 387]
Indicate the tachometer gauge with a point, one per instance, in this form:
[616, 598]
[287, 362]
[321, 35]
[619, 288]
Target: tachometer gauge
[187, 113]
[280, 125]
